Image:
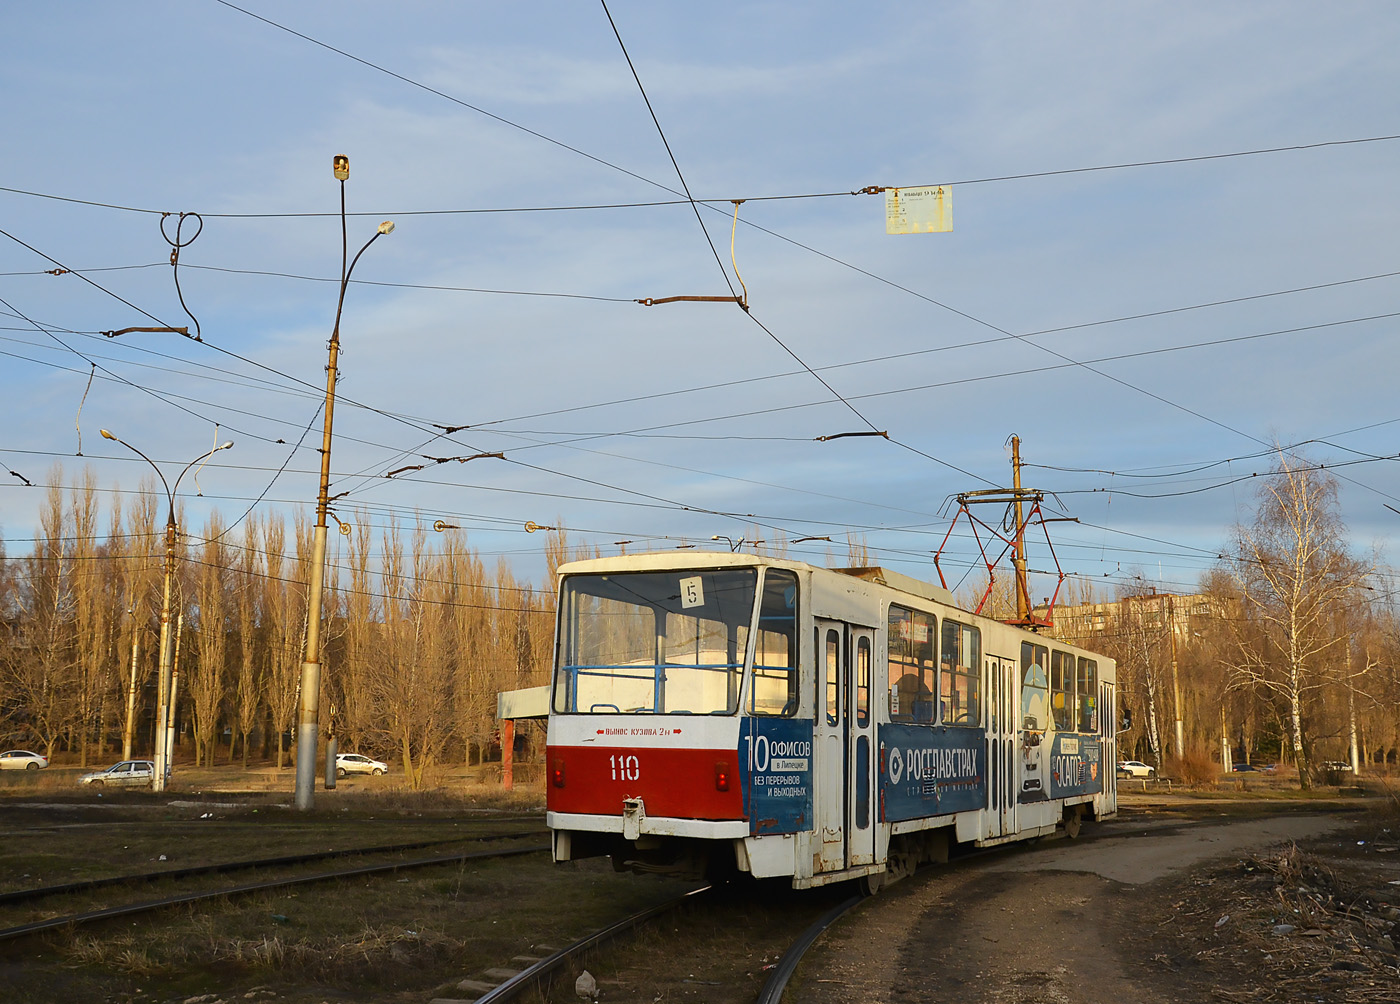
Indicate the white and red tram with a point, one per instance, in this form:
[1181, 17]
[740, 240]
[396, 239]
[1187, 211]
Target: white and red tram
[727, 711]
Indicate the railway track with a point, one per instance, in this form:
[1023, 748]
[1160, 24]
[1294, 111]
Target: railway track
[509, 983]
[223, 868]
[94, 916]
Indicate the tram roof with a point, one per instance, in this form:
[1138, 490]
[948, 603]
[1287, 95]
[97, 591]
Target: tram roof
[675, 560]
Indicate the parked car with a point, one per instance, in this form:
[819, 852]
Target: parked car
[358, 763]
[1135, 768]
[1240, 768]
[127, 774]
[1335, 765]
[22, 760]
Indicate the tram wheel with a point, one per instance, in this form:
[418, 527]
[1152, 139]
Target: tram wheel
[872, 883]
[1073, 821]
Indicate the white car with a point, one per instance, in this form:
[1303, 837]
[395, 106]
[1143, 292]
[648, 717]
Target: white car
[358, 763]
[1135, 768]
[127, 774]
[22, 760]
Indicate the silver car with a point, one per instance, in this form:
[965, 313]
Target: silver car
[128, 773]
[358, 763]
[22, 760]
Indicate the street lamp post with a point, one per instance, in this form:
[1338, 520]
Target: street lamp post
[309, 707]
[162, 755]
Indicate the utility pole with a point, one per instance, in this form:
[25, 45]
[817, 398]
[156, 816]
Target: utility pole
[1176, 680]
[162, 764]
[174, 691]
[1015, 501]
[129, 728]
[308, 708]
[1018, 560]
[162, 755]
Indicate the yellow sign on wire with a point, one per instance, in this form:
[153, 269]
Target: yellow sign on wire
[927, 210]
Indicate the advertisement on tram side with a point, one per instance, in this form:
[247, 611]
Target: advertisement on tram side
[930, 770]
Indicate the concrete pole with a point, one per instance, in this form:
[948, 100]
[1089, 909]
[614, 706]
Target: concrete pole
[1018, 560]
[1176, 681]
[1226, 758]
[330, 762]
[174, 689]
[163, 686]
[129, 731]
[308, 709]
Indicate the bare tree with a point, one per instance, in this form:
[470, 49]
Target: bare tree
[89, 614]
[139, 574]
[39, 665]
[355, 715]
[284, 607]
[248, 685]
[1292, 571]
[207, 676]
[414, 688]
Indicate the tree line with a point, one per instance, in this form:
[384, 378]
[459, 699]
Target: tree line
[1289, 650]
[419, 634]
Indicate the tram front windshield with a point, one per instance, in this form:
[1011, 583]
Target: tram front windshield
[653, 643]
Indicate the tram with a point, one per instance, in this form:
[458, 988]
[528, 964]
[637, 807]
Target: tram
[713, 713]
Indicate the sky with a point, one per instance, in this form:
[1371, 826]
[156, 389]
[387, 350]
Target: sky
[1149, 330]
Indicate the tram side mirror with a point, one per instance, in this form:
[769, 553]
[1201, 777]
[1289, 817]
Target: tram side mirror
[1125, 720]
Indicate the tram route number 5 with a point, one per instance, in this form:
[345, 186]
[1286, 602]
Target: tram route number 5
[625, 768]
[692, 592]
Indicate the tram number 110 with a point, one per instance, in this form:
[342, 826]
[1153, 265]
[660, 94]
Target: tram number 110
[625, 768]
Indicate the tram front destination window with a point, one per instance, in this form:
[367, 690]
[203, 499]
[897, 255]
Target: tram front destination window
[654, 643]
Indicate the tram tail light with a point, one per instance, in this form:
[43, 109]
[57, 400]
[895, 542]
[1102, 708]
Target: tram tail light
[721, 776]
[556, 773]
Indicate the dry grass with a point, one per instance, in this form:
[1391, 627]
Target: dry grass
[1193, 769]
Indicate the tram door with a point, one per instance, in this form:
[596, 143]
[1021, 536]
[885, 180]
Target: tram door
[861, 798]
[844, 734]
[1108, 746]
[830, 745]
[1002, 740]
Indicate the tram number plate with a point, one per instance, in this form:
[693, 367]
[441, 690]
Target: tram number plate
[625, 768]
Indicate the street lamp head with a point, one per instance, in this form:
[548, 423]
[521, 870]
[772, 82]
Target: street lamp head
[225, 446]
[341, 166]
[108, 435]
[387, 227]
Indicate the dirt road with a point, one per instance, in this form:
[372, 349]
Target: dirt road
[1061, 922]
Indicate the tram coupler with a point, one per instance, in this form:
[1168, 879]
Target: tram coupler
[633, 812]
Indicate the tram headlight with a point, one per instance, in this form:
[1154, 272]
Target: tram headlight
[557, 773]
[721, 776]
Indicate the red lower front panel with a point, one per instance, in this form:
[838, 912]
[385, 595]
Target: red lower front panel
[682, 783]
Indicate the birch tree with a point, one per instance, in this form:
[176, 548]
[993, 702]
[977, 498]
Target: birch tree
[1293, 572]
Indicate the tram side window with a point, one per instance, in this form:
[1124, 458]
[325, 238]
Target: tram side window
[911, 657]
[1088, 695]
[775, 677]
[960, 692]
[1062, 704]
[863, 681]
[833, 677]
[1034, 684]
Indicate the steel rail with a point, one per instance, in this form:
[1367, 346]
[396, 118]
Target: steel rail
[772, 992]
[42, 892]
[514, 987]
[11, 933]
